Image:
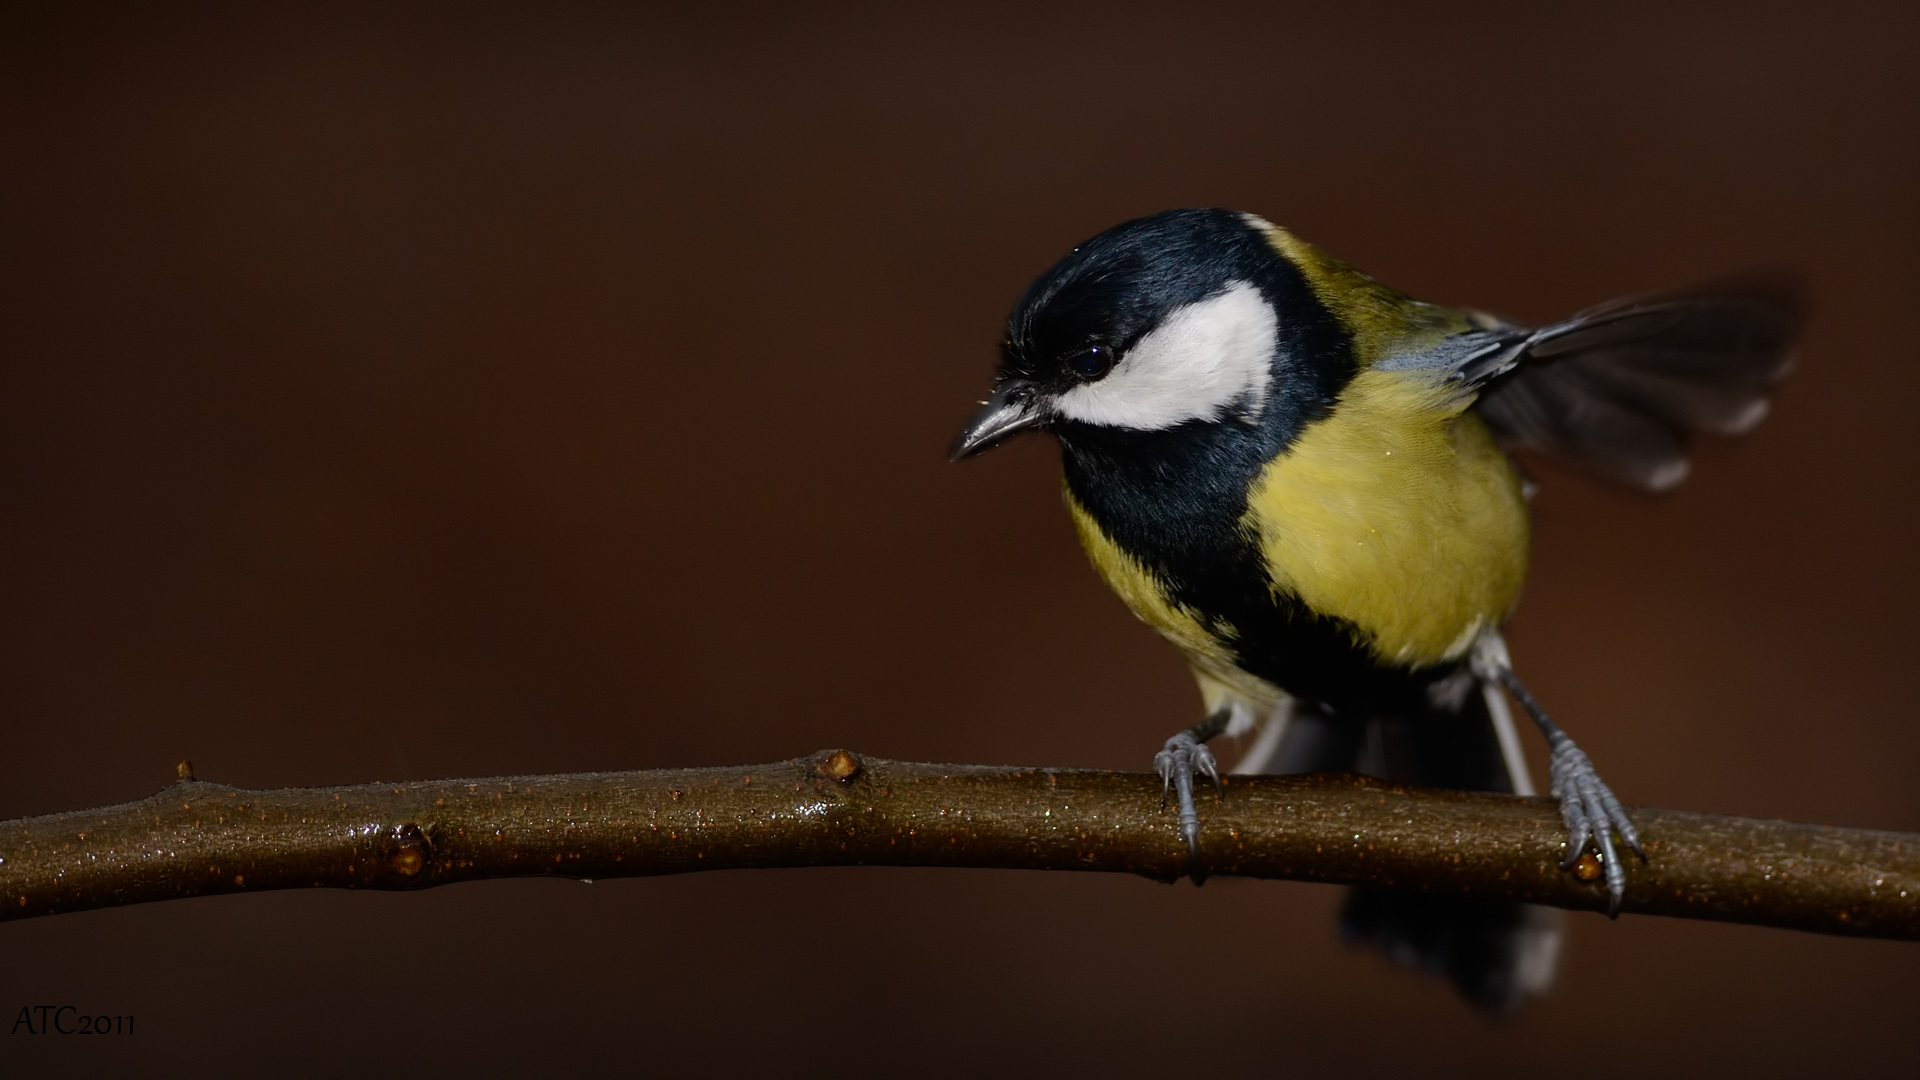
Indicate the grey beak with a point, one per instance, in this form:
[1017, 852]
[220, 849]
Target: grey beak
[1014, 407]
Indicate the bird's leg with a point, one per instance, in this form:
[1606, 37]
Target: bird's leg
[1587, 805]
[1184, 755]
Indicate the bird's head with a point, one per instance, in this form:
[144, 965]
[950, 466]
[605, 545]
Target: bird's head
[1161, 322]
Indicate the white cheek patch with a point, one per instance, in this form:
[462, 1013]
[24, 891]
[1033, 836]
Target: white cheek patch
[1204, 361]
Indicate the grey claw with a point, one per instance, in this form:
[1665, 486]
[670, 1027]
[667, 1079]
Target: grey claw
[1203, 761]
[1163, 764]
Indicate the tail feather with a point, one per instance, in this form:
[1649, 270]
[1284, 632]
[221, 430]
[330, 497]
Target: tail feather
[1496, 953]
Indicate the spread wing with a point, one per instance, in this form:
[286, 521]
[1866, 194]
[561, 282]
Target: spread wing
[1619, 388]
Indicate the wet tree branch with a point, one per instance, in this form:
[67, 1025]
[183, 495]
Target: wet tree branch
[836, 809]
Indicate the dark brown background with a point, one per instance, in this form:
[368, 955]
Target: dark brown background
[475, 392]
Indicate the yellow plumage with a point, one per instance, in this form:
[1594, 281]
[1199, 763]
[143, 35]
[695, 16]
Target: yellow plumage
[1399, 514]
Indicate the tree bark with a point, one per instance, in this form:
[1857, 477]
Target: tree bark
[835, 808]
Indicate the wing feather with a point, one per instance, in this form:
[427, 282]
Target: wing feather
[1621, 387]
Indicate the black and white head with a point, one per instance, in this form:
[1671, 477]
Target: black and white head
[1183, 319]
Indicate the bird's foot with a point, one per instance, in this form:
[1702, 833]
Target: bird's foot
[1184, 757]
[1591, 811]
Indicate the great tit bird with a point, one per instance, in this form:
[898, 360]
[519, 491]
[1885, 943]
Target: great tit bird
[1300, 478]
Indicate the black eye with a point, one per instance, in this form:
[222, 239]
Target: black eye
[1093, 363]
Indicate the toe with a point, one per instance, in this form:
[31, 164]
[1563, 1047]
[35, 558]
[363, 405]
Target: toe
[1622, 824]
[1579, 829]
[1616, 874]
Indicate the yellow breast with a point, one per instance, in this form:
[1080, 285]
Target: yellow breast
[1399, 514]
